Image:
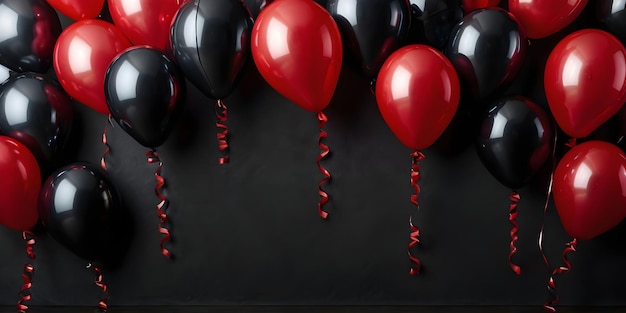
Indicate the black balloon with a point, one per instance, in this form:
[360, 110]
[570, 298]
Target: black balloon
[79, 208]
[28, 34]
[487, 48]
[211, 41]
[371, 30]
[612, 14]
[515, 140]
[145, 93]
[432, 21]
[5, 73]
[36, 111]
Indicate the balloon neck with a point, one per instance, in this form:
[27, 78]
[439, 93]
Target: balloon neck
[571, 143]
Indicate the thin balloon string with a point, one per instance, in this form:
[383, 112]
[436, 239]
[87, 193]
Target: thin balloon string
[545, 206]
[106, 143]
[414, 235]
[104, 289]
[221, 114]
[153, 157]
[29, 271]
[324, 151]
[513, 212]
[549, 306]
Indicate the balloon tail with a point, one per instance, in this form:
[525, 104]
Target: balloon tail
[104, 289]
[153, 157]
[221, 114]
[29, 271]
[514, 197]
[549, 306]
[571, 143]
[414, 236]
[105, 142]
[323, 153]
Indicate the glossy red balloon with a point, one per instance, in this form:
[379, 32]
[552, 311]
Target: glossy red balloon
[585, 80]
[78, 9]
[471, 5]
[541, 18]
[143, 21]
[297, 48]
[417, 92]
[589, 185]
[82, 55]
[19, 186]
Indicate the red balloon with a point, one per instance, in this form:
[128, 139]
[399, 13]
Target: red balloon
[471, 5]
[297, 48]
[82, 55]
[589, 185]
[144, 22]
[19, 186]
[78, 9]
[585, 80]
[417, 92]
[541, 18]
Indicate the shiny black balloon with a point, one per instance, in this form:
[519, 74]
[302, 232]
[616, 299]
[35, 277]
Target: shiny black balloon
[28, 32]
[145, 93]
[432, 21]
[612, 14]
[5, 73]
[36, 111]
[211, 41]
[515, 140]
[79, 206]
[487, 48]
[371, 30]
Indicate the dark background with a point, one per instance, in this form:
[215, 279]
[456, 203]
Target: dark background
[248, 232]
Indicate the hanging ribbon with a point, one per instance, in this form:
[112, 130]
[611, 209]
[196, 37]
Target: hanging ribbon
[105, 142]
[104, 289]
[514, 197]
[549, 306]
[414, 236]
[29, 271]
[153, 157]
[221, 114]
[324, 152]
[547, 202]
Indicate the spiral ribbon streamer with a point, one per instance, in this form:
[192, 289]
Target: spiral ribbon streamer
[323, 120]
[153, 157]
[29, 271]
[514, 197]
[221, 114]
[414, 236]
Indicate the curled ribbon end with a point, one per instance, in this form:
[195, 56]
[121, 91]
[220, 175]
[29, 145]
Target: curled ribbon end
[221, 116]
[104, 289]
[153, 157]
[107, 151]
[324, 151]
[27, 274]
[571, 246]
[515, 198]
[414, 236]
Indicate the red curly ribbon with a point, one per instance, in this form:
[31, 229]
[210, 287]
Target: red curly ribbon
[321, 117]
[105, 142]
[514, 197]
[29, 271]
[566, 268]
[153, 157]
[221, 114]
[414, 236]
[104, 289]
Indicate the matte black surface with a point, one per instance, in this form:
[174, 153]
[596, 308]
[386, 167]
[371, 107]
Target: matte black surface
[35, 110]
[145, 93]
[211, 41]
[30, 29]
[371, 30]
[248, 232]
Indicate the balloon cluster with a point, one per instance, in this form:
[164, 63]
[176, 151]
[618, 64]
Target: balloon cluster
[425, 59]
